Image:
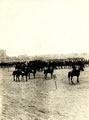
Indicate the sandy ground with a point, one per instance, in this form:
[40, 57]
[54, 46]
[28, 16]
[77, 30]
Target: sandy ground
[38, 99]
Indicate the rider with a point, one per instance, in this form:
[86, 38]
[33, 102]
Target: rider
[74, 68]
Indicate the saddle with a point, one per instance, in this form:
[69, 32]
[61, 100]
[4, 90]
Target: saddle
[74, 72]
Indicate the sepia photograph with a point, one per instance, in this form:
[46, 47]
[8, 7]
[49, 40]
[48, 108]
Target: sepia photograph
[44, 59]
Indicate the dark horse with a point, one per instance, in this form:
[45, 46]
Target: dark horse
[75, 73]
[49, 70]
[18, 73]
[31, 70]
[24, 73]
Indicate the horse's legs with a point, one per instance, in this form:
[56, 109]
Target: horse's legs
[51, 75]
[14, 77]
[69, 76]
[26, 77]
[34, 75]
[22, 77]
[18, 78]
[29, 75]
[69, 79]
[45, 76]
[77, 79]
[72, 80]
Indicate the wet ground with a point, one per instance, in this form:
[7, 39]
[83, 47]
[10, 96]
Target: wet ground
[38, 99]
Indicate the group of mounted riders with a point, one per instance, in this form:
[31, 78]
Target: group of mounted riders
[25, 69]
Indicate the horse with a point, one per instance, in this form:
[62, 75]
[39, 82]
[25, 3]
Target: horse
[24, 73]
[18, 73]
[31, 70]
[49, 70]
[75, 73]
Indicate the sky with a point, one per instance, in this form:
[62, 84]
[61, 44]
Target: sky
[40, 27]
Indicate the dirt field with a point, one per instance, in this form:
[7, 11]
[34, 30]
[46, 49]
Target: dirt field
[38, 99]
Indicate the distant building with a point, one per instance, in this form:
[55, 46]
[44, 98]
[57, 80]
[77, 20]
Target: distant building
[2, 53]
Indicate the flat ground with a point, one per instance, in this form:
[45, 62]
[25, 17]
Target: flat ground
[38, 99]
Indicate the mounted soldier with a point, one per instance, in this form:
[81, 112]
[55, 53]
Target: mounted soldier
[74, 68]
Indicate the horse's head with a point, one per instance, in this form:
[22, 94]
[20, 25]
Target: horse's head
[81, 68]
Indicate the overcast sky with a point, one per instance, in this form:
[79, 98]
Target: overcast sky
[38, 27]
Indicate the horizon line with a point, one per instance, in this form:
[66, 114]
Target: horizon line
[46, 54]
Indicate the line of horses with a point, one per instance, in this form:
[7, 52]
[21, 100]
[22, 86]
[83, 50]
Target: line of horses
[24, 70]
[28, 72]
[22, 73]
